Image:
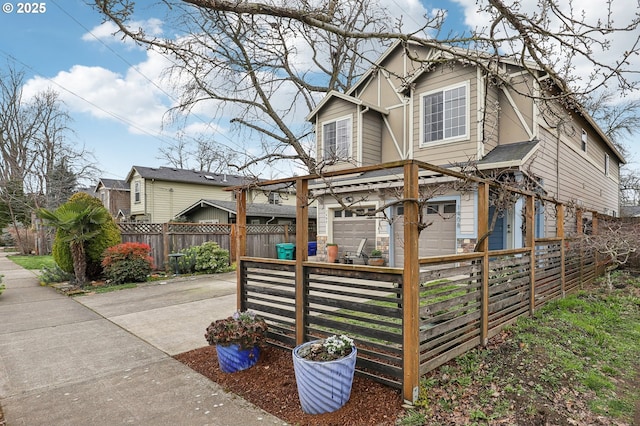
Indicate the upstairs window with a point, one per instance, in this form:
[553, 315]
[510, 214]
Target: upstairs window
[136, 192]
[336, 139]
[445, 115]
[606, 164]
[583, 140]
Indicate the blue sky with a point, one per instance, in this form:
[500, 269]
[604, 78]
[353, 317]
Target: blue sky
[110, 87]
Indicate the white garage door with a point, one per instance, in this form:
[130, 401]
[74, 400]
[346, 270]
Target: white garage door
[436, 240]
[349, 228]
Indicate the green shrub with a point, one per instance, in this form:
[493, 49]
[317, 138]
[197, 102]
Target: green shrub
[54, 274]
[127, 263]
[109, 236]
[187, 263]
[210, 258]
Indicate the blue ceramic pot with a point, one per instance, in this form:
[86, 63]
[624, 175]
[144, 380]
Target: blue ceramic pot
[323, 386]
[231, 358]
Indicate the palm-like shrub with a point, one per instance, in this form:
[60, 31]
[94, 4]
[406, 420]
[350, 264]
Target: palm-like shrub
[127, 263]
[77, 222]
[109, 235]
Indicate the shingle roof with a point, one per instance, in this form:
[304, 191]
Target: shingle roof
[518, 152]
[171, 174]
[117, 184]
[253, 209]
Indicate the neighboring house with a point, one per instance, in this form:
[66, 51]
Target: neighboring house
[216, 211]
[630, 211]
[162, 194]
[114, 194]
[446, 112]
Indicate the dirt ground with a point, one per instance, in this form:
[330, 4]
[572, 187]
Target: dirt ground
[271, 385]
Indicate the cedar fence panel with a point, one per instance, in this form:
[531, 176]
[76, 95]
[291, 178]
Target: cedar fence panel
[167, 238]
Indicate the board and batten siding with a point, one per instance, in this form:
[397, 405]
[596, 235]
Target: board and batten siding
[371, 138]
[448, 152]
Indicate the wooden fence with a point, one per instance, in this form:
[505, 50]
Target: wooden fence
[167, 238]
[407, 321]
[367, 302]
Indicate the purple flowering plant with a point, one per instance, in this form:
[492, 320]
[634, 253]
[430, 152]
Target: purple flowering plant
[244, 329]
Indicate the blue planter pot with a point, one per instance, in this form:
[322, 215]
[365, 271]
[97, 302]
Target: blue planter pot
[323, 386]
[231, 358]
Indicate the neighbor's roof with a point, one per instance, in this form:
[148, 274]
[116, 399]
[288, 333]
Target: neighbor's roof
[172, 174]
[117, 184]
[253, 209]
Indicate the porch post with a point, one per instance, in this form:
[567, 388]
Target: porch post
[302, 242]
[241, 243]
[411, 286]
[531, 245]
[483, 230]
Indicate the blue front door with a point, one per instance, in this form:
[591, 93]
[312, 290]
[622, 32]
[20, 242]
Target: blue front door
[497, 238]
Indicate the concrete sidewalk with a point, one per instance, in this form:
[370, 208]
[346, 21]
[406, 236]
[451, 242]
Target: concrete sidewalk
[106, 360]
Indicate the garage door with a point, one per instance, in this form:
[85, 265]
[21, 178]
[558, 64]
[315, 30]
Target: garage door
[349, 228]
[436, 240]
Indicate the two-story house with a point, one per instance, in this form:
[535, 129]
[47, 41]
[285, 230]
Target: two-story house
[446, 112]
[114, 194]
[166, 193]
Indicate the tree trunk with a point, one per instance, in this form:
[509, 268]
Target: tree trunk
[79, 261]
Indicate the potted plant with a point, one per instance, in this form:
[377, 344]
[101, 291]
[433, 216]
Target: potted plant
[332, 252]
[375, 258]
[237, 339]
[324, 373]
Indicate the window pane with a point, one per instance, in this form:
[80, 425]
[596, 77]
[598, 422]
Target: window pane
[455, 112]
[343, 138]
[329, 136]
[449, 208]
[433, 118]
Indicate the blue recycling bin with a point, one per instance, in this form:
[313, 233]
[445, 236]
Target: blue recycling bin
[285, 250]
[313, 248]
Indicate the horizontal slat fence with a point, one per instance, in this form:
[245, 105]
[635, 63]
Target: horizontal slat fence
[509, 289]
[364, 304]
[548, 273]
[450, 303]
[359, 302]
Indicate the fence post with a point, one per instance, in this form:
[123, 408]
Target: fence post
[302, 242]
[165, 242]
[483, 229]
[411, 286]
[579, 232]
[241, 243]
[530, 237]
[560, 234]
[233, 238]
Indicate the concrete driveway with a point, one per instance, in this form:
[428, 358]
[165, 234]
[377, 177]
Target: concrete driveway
[170, 315]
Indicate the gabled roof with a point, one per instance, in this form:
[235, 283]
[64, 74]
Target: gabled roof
[115, 184]
[453, 52]
[509, 155]
[334, 94]
[171, 174]
[253, 209]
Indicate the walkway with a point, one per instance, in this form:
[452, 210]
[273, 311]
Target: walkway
[63, 363]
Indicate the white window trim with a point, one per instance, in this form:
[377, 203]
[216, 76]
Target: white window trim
[466, 86]
[336, 120]
[607, 167]
[137, 197]
[584, 140]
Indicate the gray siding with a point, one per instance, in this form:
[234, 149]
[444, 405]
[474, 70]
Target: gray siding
[446, 153]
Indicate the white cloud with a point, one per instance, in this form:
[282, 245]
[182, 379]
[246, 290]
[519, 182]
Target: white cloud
[131, 100]
[107, 32]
